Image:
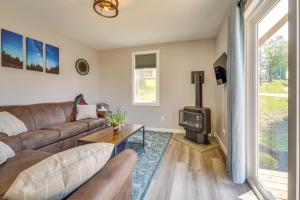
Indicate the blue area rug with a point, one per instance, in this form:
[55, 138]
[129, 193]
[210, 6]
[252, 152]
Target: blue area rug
[148, 159]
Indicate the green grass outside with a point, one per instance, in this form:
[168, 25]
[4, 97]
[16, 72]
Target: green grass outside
[273, 116]
[147, 91]
[274, 87]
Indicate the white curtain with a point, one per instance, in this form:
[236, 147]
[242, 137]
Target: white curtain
[236, 160]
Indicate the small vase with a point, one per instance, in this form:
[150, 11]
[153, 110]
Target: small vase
[116, 128]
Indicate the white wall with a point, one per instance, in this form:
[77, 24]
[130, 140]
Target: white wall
[27, 87]
[177, 60]
[221, 91]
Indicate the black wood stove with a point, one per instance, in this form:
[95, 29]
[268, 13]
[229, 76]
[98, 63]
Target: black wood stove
[196, 120]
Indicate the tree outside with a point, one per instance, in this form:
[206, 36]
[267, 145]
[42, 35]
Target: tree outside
[274, 56]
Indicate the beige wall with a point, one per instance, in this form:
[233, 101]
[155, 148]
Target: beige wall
[26, 87]
[177, 60]
[221, 91]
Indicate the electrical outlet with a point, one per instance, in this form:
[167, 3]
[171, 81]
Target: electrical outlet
[162, 118]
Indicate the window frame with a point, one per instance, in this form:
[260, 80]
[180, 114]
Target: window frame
[256, 10]
[157, 102]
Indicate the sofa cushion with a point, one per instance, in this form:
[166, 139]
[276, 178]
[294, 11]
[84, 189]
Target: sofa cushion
[60, 174]
[39, 138]
[15, 165]
[51, 148]
[94, 123]
[47, 114]
[112, 179]
[69, 129]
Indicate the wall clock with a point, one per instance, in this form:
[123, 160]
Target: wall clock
[82, 67]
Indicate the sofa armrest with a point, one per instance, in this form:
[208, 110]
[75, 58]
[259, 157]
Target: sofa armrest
[2, 135]
[13, 141]
[110, 181]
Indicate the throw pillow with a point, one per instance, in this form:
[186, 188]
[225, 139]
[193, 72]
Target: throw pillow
[6, 152]
[80, 100]
[86, 111]
[11, 125]
[60, 174]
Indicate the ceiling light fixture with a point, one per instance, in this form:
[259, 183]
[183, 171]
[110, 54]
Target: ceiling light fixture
[106, 8]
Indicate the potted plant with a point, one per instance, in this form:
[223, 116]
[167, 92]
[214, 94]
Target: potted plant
[117, 119]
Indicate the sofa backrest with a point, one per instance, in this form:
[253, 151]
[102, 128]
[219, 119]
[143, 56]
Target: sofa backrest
[39, 116]
[23, 113]
[70, 110]
[47, 114]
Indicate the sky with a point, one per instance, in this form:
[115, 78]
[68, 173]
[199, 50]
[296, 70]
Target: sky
[34, 52]
[275, 14]
[12, 43]
[52, 59]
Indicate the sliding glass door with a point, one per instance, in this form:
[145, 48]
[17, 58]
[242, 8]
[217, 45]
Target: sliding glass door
[269, 99]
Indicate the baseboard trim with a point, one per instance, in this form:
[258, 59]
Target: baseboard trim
[165, 130]
[224, 149]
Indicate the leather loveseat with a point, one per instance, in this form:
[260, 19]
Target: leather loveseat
[52, 128]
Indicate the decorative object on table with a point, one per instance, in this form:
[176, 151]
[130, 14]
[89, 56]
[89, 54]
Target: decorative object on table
[117, 119]
[77, 165]
[106, 8]
[86, 112]
[11, 49]
[79, 100]
[34, 55]
[52, 59]
[82, 67]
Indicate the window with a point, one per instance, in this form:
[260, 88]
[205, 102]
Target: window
[145, 78]
[268, 98]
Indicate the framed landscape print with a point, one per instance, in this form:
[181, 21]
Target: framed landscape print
[52, 59]
[34, 55]
[11, 49]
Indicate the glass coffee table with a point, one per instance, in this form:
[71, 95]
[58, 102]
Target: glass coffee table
[107, 135]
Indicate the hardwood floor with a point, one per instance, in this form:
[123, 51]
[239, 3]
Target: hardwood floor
[187, 174]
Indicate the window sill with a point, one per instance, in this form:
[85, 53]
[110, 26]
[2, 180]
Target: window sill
[146, 104]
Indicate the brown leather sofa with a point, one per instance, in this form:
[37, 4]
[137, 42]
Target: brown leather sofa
[52, 128]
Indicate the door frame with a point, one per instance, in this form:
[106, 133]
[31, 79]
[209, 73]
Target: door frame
[255, 11]
[294, 100]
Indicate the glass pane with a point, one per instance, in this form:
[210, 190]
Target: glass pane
[145, 85]
[273, 101]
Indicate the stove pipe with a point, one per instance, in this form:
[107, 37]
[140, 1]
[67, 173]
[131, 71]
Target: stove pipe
[198, 86]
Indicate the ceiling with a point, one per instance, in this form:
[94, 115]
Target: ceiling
[140, 22]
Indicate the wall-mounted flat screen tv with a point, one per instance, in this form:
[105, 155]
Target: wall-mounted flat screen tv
[220, 69]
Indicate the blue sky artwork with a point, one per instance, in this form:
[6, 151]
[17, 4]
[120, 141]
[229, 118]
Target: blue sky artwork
[34, 52]
[12, 44]
[52, 56]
